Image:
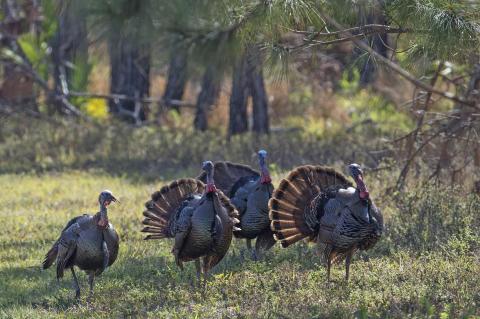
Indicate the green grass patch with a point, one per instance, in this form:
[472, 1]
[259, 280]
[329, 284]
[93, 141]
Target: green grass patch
[409, 274]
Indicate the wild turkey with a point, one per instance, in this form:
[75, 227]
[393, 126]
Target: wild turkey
[89, 242]
[249, 192]
[199, 217]
[319, 203]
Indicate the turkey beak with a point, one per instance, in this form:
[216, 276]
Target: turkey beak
[115, 200]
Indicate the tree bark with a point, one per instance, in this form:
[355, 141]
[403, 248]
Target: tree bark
[238, 122]
[206, 98]
[129, 75]
[379, 42]
[177, 79]
[258, 93]
[69, 47]
[248, 81]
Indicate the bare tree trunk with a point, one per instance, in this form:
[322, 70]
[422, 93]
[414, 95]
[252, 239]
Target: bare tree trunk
[238, 122]
[129, 75]
[177, 78]
[206, 98]
[248, 80]
[379, 42]
[69, 47]
[258, 93]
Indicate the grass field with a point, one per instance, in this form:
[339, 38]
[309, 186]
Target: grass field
[427, 264]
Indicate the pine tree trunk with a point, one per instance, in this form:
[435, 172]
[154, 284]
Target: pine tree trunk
[238, 122]
[129, 75]
[379, 42]
[69, 47]
[206, 98]
[177, 79]
[258, 93]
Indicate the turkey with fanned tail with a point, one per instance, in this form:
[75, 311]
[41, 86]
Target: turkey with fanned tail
[249, 191]
[199, 217]
[320, 204]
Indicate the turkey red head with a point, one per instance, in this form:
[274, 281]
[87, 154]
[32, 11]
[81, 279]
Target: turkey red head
[357, 175]
[207, 167]
[264, 173]
[104, 199]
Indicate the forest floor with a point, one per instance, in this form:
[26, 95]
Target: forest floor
[144, 281]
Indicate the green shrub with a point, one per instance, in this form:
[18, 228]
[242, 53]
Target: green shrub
[436, 218]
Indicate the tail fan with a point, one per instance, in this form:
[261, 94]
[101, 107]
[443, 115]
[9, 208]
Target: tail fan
[161, 209]
[229, 176]
[291, 203]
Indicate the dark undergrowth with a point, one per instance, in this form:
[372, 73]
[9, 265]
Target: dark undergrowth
[154, 152]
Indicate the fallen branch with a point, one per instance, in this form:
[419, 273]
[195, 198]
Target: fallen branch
[147, 100]
[26, 66]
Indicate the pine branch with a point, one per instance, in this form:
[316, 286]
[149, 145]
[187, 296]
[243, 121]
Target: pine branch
[348, 35]
[365, 30]
[192, 35]
[402, 72]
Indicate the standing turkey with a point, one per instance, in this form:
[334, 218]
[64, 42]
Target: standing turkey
[89, 242]
[199, 217]
[321, 204]
[249, 192]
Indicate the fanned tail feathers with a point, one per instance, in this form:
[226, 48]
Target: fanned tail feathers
[290, 203]
[227, 175]
[161, 209]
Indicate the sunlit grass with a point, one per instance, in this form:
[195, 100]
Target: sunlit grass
[144, 281]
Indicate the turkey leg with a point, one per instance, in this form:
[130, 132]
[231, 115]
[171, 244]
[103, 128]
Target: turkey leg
[75, 284]
[251, 250]
[348, 259]
[91, 278]
[329, 265]
[198, 267]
